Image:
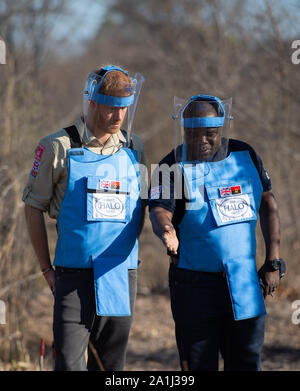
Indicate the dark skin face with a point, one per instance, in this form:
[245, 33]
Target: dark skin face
[201, 143]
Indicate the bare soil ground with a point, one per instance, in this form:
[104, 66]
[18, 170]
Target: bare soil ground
[152, 343]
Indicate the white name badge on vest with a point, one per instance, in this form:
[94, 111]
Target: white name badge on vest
[107, 200]
[109, 206]
[234, 208]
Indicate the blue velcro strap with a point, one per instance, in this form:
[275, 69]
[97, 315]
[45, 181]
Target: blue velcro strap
[207, 98]
[110, 68]
[115, 101]
[245, 291]
[111, 286]
[203, 122]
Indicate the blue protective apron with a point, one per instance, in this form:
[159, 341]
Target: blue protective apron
[217, 232]
[99, 221]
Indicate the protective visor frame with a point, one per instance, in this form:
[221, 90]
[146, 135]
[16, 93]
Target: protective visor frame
[94, 83]
[204, 122]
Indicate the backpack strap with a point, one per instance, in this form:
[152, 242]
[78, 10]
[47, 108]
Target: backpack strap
[130, 143]
[76, 140]
[74, 136]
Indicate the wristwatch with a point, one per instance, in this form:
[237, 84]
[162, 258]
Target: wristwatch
[275, 264]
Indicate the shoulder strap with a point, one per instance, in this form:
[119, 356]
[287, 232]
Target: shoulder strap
[76, 141]
[74, 136]
[130, 146]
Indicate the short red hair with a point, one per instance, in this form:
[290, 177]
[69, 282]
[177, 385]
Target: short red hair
[116, 83]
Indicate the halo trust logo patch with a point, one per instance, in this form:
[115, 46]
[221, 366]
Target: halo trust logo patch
[234, 208]
[109, 206]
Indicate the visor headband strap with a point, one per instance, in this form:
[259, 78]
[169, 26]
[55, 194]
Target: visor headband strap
[202, 122]
[114, 101]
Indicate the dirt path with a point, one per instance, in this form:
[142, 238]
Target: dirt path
[152, 343]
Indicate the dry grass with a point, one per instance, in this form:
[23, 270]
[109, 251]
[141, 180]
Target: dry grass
[38, 97]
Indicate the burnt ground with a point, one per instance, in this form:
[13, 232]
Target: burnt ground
[152, 343]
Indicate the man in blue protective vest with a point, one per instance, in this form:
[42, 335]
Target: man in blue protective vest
[87, 177]
[207, 223]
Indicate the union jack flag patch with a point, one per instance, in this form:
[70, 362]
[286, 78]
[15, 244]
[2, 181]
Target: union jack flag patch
[225, 191]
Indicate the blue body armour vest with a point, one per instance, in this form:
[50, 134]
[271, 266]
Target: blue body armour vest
[217, 232]
[99, 221]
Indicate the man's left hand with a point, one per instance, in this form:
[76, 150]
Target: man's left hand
[269, 279]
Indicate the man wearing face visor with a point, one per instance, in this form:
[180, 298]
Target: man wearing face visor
[87, 177]
[207, 223]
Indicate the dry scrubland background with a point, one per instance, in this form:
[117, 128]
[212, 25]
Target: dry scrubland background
[235, 48]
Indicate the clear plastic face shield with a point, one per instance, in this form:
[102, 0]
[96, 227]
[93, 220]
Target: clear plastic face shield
[116, 107]
[201, 128]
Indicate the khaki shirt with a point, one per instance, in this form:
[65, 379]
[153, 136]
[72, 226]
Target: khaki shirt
[47, 180]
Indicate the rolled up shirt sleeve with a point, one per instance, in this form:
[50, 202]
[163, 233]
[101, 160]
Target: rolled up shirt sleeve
[39, 188]
[163, 190]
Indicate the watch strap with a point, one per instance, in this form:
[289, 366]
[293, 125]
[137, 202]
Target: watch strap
[277, 264]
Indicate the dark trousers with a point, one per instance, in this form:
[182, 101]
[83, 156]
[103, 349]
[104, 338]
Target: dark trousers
[75, 323]
[205, 326]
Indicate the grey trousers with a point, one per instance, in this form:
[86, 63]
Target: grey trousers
[75, 323]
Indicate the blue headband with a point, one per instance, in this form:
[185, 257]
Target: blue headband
[114, 101]
[108, 100]
[204, 122]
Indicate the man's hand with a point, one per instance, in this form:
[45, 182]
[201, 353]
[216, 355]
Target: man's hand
[270, 226]
[162, 226]
[269, 279]
[169, 238]
[50, 278]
